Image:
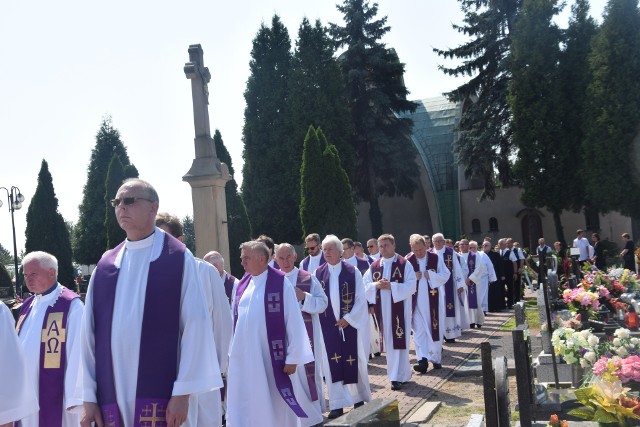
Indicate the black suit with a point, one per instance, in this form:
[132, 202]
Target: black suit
[507, 272]
[496, 289]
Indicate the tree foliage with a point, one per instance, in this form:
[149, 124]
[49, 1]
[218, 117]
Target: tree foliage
[6, 257]
[46, 229]
[268, 160]
[373, 75]
[90, 233]
[611, 154]
[189, 232]
[115, 176]
[5, 277]
[326, 203]
[238, 220]
[485, 143]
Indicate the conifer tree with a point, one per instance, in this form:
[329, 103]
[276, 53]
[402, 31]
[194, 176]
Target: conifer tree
[238, 221]
[90, 234]
[610, 150]
[46, 230]
[269, 193]
[115, 176]
[5, 277]
[326, 202]
[6, 257]
[485, 142]
[189, 232]
[373, 75]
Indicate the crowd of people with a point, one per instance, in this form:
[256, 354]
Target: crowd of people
[164, 338]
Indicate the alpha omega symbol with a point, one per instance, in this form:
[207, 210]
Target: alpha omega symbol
[53, 335]
[376, 275]
[396, 273]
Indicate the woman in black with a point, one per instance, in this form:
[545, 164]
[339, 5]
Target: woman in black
[598, 253]
[628, 253]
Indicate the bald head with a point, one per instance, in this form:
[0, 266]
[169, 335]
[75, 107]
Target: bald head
[214, 258]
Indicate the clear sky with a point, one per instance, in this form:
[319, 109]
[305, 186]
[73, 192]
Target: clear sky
[69, 63]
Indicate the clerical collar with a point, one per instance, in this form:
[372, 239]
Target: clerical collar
[393, 258]
[140, 244]
[51, 289]
[352, 258]
[335, 267]
[261, 274]
[316, 256]
[293, 270]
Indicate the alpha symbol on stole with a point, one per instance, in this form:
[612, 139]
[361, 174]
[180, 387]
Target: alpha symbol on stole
[53, 336]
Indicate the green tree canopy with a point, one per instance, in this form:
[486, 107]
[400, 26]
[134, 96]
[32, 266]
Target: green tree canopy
[373, 75]
[115, 176]
[46, 229]
[5, 277]
[90, 233]
[189, 232]
[326, 202]
[6, 257]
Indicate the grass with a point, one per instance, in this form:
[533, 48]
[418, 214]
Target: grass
[446, 411]
[531, 311]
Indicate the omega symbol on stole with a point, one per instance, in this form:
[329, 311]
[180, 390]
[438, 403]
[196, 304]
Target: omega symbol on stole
[53, 336]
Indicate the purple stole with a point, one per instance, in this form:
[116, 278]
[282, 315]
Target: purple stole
[363, 265]
[229, 281]
[53, 356]
[473, 295]
[304, 283]
[158, 362]
[342, 353]
[434, 294]
[305, 262]
[276, 331]
[449, 290]
[397, 308]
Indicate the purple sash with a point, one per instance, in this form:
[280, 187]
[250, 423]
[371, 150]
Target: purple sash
[342, 354]
[229, 281]
[304, 283]
[158, 363]
[434, 294]
[53, 356]
[363, 265]
[276, 332]
[307, 260]
[397, 308]
[473, 294]
[449, 290]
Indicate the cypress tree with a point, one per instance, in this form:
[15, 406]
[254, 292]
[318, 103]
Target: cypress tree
[90, 233]
[46, 230]
[6, 257]
[5, 277]
[189, 232]
[115, 176]
[373, 75]
[270, 195]
[485, 144]
[238, 221]
[613, 112]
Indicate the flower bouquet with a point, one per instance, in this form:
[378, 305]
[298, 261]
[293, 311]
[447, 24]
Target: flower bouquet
[576, 347]
[554, 421]
[607, 402]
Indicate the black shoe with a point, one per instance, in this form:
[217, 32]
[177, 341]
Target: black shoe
[472, 325]
[478, 326]
[357, 405]
[336, 413]
[437, 365]
[450, 340]
[420, 368]
[376, 354]
[396, 385]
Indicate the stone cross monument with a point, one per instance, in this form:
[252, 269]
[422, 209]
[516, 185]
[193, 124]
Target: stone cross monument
[207, 176]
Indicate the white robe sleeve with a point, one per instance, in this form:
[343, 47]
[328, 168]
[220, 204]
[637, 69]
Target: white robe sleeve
[298, 346]
[441, 276]
[87, 387]
[74, 353]
[402, 291]
[478, 272]
[220, 316]
[358, 317]
[18, 397]
[459, 274]
[316, 300]
[198, 368]
[489, 267]
[369, 287]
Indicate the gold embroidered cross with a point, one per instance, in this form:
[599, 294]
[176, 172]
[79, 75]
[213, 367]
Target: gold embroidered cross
[351, 360]
[336, 358]
[155, 417]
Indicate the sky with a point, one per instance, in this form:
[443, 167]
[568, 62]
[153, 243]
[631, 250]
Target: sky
[68, 64]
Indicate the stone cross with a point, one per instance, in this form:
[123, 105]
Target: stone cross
[200, 77]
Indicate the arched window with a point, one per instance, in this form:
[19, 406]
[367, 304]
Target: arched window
[475, 225]
[493, 224]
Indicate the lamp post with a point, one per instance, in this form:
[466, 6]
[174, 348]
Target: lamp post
[15, 198]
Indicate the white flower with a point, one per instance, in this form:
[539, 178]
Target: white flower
[622, 333]
[635, 341]
[590, 356]
[621, 351]
[593, 340]
[584, 363]
[617, 342]
[570, 358]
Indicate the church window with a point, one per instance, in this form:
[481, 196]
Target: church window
[475, 225]
[493, 224]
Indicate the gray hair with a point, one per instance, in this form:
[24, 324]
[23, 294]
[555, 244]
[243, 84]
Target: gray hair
[473, 243]
[437, 235]
[417, 238]
[285, 246]
[257, 248]
[44, 259]
[214, 258]
[332, 238]
[148, 189]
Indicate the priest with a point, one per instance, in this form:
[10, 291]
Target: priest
[342, 344]
[475, 271]
[269, 346]
[349, 256]
[217, 260]
[428, 302]
[312, 300]
[489, 273]
[49, 331]
[390, 283]
[147, 340]
[314, 259]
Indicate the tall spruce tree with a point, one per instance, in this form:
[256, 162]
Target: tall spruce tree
[189, 233]
[238, 221]
[544, 165]
[5, 277]
[115, 176]
[610, 151]
[326, 202]
[485, 143]
[269, 193]
[6, 257]
[90, 233]
[373, 74]
[46, 230]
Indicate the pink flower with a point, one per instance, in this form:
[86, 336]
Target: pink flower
[630, 369]
[604, 292]
[600, 366]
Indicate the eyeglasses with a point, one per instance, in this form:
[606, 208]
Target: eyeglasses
[127, 201]
[370, 246]
[311, 248]
[347, 247]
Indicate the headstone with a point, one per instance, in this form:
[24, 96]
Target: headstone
[519, 311]
[6, 292]
[378, 412]
[489, 385]
[502, 392]
[524, 375]
[207, 175]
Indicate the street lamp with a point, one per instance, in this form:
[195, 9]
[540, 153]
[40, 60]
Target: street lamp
[15, 198]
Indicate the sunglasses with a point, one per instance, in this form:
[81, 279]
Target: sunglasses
[311, 248]
[127, 201]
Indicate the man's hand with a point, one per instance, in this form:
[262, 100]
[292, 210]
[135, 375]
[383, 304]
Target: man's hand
[372, 309]
[299, 294]
[289, 369]
[342, 323]
[460, 291]
[383, 284]
[467, 281]
[90, 414]
[418, 275]
[177, 410]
